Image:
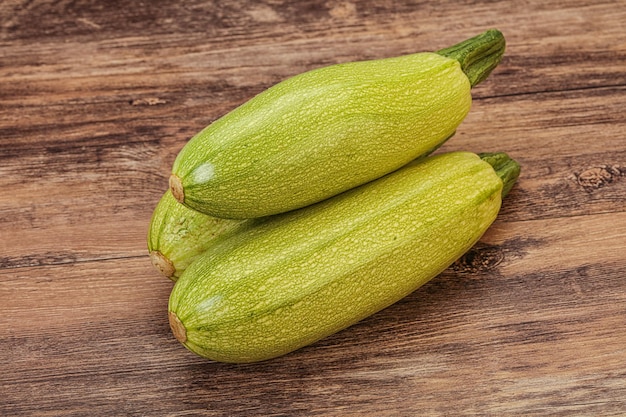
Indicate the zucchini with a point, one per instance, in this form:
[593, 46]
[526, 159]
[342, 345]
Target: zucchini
[303, 275]
[177, 234]
[330, 129]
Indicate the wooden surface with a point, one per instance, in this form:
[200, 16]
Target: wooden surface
[96, 99]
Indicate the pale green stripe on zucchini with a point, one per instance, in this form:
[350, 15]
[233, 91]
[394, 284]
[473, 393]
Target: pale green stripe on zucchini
[303, 275]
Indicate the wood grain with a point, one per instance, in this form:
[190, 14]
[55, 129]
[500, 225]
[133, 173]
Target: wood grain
[96, 99]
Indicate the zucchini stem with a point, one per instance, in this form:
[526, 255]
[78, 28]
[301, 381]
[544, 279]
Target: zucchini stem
[507, 169]
[479, 55]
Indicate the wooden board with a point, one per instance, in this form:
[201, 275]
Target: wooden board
[96, 99]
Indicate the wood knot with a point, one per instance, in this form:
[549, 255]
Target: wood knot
[597, 177]
[148, 101]
[480, 258]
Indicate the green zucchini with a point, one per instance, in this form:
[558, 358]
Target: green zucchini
[178, 234]
[328, 130]
[303, 275]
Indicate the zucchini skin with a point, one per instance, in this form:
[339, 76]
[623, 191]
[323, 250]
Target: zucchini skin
[321, 133]
[177, 234]
[303, 275]
[328, 130]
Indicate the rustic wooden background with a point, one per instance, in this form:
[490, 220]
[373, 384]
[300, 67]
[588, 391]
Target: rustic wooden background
[97, 97]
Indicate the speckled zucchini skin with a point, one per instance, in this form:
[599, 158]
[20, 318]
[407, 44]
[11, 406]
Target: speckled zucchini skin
[328, 130]
[304, 275]
[178, 234]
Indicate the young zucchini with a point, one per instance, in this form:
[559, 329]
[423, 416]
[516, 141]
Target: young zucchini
[178, 234]
[303, 275]
[328, 130]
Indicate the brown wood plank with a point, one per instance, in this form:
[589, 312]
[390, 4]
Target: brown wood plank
[556, 46]
[54, 179]
[96, 98]
[478, 323]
